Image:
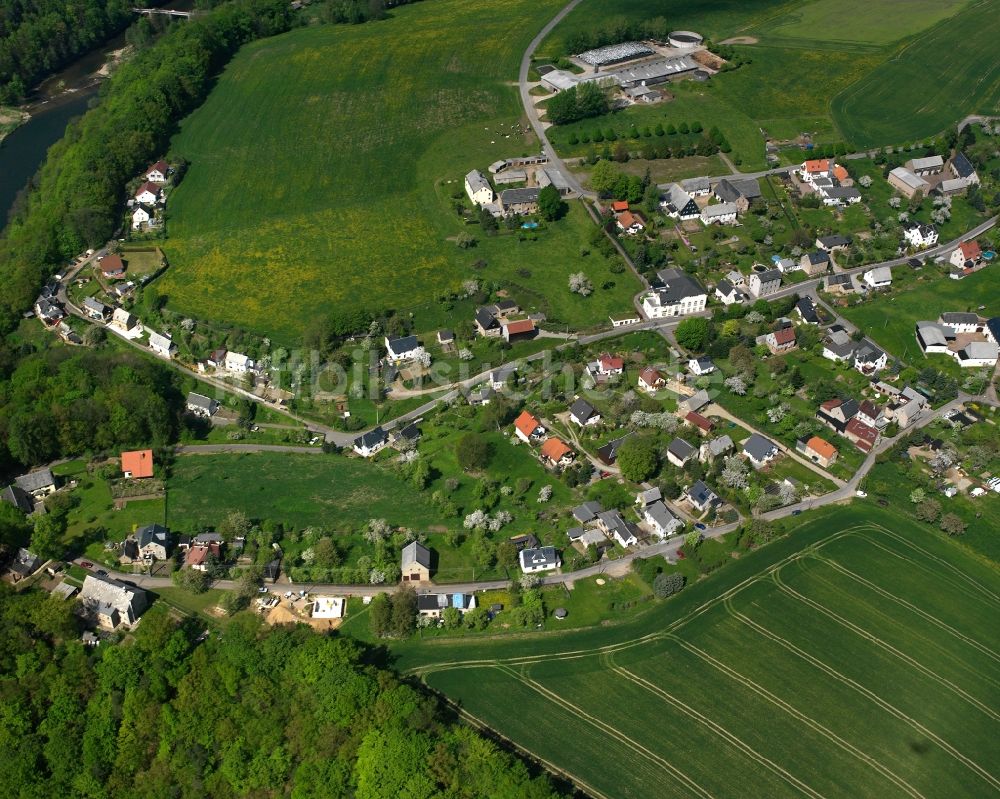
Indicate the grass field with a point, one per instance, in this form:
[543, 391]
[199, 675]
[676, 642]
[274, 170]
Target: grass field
[890, 319]
[855, 658]
[912, 95]
[341, 190]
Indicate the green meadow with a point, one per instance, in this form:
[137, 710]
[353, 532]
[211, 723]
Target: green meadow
[854, 658]
[324, 164]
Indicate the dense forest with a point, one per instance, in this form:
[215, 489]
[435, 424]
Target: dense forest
[63, 402]
[38, 37]
[254, 712]
[76, 195]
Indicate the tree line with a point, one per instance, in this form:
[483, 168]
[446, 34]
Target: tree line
[75, 197]
[254, 712]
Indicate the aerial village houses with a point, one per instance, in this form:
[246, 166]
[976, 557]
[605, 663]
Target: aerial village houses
[721, 214]
[528, 428]
[931, 165]
[650, 380]
[367, 444]
[759, 450]
[906, 183]
[401, 350]
[158, 172]
[878, 278]
[779, 341]
[918, 235]
[415, 563]
[817, 450]
[543, 559]
[868, 358]
[149, 194]
[630, 223]
[137, 464]
[112, 266]
[583, 414]
[678, 204]
[556, 453]
[701, 497]
[677, 294]
[478, 188]
[200, 405]
[111, 604]
[39, 483]
[146, 544]
[815, 263]
[238, 363]
[966, 255]
[763, 284]
[123, 322]
[161, 345]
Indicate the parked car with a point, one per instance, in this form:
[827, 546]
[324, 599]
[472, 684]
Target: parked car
[101, 573]
[796, 512]
[700, 526]
[86, 564]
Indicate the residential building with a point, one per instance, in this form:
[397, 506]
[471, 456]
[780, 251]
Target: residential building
[123, 322]
[556, 453]
[112, 266]
[582, 413]
[962, 168]
[141, 215]
[878, 278]
[528, 428]
[806, 309]
[966, 255]
[619, 206]
[587, 512]
[695, 402]
[817, 450]
[786, 265]
[332, 607]
[406, 437]
[367, 444]
[832, 243]
[432, 606]
[763, 284]
[816, 168]
[701, 423]
[146, 544]
[630, 223]
[677, 294]
[200, 405]
[238, 363]
[49, 311]
[503, 376]
[624, 533]
[514, 330]
[713, 448]
[503, 309]
[478, 188]
[701, 497]
[951, 187]
[137, 464]
[740, 193]
[161, 345]
[95, 309]
[606, 365]
[39, 483]
[542, 559]
[871, 414]
[648, 496]
[840, 195]
[931, 165]
[111, 604]
[679, 204]
[200, 556]
[415, 563]
[486, 323]
[680, 452]
[838, 345]
[519, 201]
[919, 235]
[779, 341]
[721, 214]
[697, 187]
[19, 498]
[840, 284]
[158, 172]
[608, 454]
[906, 183]
[149, 194]
[403, 349]
[759, 450]
[815, 263]
[660, 520]
[863, 436]
[836, 413]
[977, 354]
[701, 366]
[650, 380]
[728, 294]
[868, 358]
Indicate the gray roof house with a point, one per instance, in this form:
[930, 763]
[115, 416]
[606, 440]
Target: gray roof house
[18, 497]
[371, 442]
[95, 308]
[587, 512]
[201, 405]
[110, 603]
[701, 496]
[151, 542]
[25, 563]
[539, 560]
[415, 552]
[660, 519]
[695, 402]
[679, 452]
[715, 447]
[759, 450]
[583, 413]
[37, 483]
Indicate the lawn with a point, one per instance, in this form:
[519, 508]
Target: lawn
[752, 682]
[913, 95]
[342, 190]
[890, 318]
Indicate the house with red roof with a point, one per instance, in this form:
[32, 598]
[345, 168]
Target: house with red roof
[861, 435]
[606, 365]
[112, 266]
[158, 172]
[816, 168]
[781, 340]
[522, 328]
[630, 223]
[966, 255]
[703, 424]
[198, 555]
[650, 380]
[555, 452]
[818, 450]
[138, 464]
[149, 193]
[528, 428]
[619, 206]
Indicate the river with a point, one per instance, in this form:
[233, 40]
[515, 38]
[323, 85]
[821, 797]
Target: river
[59, 99]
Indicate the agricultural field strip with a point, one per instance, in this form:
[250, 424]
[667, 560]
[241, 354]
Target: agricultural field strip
[615, 733]
[775, 576]
[864, 691]
[716, 728]
[694, 614]
[726, 599]
[798, 715]
[908, 605]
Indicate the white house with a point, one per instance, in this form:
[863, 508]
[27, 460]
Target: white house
[701, 366]
[528, 428]
[399, 350]
[680, 452]
[149, 194]
[678, 204]
[868, 358]
[762, 284]
[630, 223]
[650, 380]
[759, 450]
[966, 254]
[542, 559]
[238, 363]
[478, 188]
[728, 294]
[158, 172]
[200, 405]
[367, 444]
[931, 165]
[161, 345]
[721, 214]
[583, 414]
[678, 294]
[660, 520]
[140, 217]
[816, 168]
[878, 278]
[123, 322]
[919, 235]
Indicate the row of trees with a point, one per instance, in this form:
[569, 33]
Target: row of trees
[76, 195]
[577, 102]
[256, 712]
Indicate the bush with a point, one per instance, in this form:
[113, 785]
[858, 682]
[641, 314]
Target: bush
[668, 584]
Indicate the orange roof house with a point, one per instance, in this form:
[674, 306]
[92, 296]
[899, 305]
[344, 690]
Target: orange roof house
[817, 165]
[823, 449]
[841, 174]
[699, 421]
[528, 427]
[651, 378]
[138, 464]
[618, 206]
[556, 450]
[112, 265]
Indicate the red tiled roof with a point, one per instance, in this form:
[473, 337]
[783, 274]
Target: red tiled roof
[869, 408]
[821, 447]
[527, 423]
[162, 166]
[830, 404]
[619, 205]
[555, 449]
[840, 173]
[627, 219]
[650, 376]
[521, 326]
[139, 462]
[112, 264]
[970, 250]
[785, 336]
[818, 165]
[864, 436]
[699, 421]
[609, 361]
[152, 188]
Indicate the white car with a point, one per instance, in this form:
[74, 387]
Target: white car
[860, 493]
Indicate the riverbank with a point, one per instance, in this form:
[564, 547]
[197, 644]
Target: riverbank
[11, 119]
